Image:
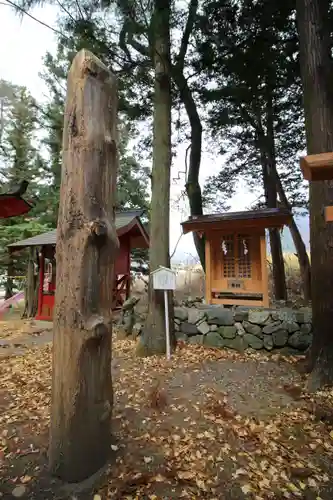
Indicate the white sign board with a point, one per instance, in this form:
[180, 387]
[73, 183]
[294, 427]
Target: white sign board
[164, 279]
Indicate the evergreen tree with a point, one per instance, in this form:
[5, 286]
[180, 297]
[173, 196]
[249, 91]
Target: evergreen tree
[19, 160]
[314, 28]
[133, 178]
[248, 52]
[153, 340]
[121, 34]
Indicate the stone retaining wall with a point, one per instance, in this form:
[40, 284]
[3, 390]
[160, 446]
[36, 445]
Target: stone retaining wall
[242, 328]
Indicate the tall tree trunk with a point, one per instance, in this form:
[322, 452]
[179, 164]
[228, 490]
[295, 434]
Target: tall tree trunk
[193, 189]
[87, 244]
[176, 71]
[279, 273]
[317, 77]
[302, 254]
[153, 338]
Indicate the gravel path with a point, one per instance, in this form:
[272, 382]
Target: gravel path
[161, 451]
[33, 334]
[253, 388]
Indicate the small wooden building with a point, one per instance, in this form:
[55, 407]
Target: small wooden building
[235, 245]
[131, 233]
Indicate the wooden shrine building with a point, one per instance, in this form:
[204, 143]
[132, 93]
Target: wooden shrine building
[131, 233]
[235, 249]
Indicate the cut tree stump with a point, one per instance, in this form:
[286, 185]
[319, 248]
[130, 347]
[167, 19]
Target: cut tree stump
[87, 243]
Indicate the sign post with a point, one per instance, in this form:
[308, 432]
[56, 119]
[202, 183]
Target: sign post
[165, 279]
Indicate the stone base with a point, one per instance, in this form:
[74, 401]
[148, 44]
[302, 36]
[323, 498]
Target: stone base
[241, 327]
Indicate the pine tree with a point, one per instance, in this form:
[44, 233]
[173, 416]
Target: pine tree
[153, 339]
[255, 114]
[133, 178]
[20, 160]
[125, 44]
[317, 73]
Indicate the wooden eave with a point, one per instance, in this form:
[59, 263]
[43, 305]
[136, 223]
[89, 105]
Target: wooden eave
[13, 206]
[317, 167]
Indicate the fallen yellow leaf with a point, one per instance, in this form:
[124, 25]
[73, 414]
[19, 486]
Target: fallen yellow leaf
[185, 474]
[201, 485]
[292, 488]
[159, 478]
[25, 479]
[312, 482]
[246, 488]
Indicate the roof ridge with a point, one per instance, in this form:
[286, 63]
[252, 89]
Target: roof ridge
[122, 219]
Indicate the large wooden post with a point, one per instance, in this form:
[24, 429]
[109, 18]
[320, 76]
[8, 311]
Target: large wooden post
[208, 268]
[264, 272]
[30, 288]
[41, 283]
[86, 249]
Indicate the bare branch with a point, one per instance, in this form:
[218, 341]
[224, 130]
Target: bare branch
[79, 9]
[67, 11]
[174, 250]
[192, 11]
[23, 11]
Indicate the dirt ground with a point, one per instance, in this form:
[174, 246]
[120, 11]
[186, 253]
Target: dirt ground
[206, 425]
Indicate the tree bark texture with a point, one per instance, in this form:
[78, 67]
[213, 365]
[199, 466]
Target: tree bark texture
[279, 273]
[302, 255]
[193, 189]
[87, 243]
[317, 78]
[30, 308]
[153, 339]
[278, 270]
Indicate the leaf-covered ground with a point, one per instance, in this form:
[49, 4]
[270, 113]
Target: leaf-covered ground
[206, 425]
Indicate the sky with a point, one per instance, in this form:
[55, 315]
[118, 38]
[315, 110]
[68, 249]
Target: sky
[23, 44]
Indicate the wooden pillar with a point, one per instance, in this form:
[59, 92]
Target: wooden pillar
[128, 282]
[10, 273]
[87, 244]
[264, 271]
[41, 282]
[208, 262]
[29, 311]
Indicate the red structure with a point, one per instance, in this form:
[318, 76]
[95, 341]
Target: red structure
[131, 234]
[12, 204]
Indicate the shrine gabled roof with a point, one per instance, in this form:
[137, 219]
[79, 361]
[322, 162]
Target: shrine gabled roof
[12, 204]
[124, 221]
[265, 218]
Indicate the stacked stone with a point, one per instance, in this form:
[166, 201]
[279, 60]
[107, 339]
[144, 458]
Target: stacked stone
[240, 329]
